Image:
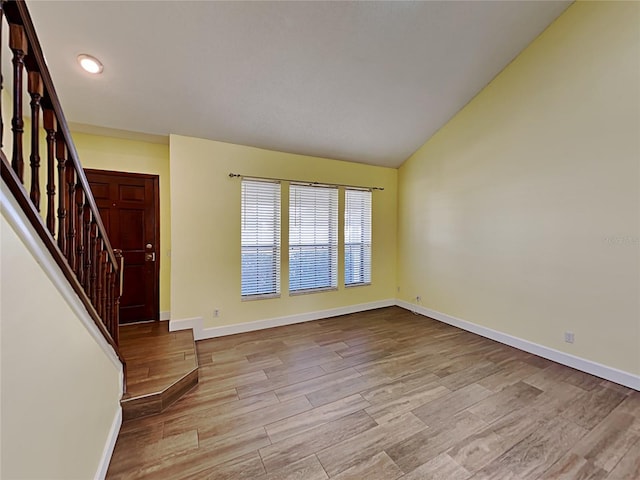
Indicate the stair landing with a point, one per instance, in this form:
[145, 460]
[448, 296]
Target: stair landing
[161, 367]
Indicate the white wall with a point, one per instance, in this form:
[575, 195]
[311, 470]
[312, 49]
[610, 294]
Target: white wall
[60, 390]
[522, 214]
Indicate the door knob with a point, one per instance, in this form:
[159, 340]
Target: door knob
[149, 246]
[150, 257]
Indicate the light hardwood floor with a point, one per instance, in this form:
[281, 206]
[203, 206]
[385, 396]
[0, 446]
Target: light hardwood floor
[384, 394]
[161, 367]
[155, 357]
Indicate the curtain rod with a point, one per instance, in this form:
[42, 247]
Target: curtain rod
[237, 175]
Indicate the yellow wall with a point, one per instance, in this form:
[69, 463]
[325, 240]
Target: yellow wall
[108, 153]
[205, 207]
[60, 392]
[522, 214]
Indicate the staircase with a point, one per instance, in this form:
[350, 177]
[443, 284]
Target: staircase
[65, 216]
[41, 169]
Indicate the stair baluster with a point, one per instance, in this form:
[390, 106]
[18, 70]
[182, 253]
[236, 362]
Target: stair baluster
[63, 197]
[103, 280]
[72, 215]
[82, 249]
[79, 233]
[18, 45]
[49, 123]
[93, 266]
[34, 86]
[86, 224]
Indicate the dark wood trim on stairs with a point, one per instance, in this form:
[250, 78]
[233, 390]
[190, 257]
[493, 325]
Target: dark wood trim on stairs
[153, 403]
[22, 197]
[78, 227]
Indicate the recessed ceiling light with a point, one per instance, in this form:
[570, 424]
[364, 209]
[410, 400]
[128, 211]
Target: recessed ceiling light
[90, 64]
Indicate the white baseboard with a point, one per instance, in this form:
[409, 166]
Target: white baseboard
[201, 333]
[194, 323]
[609, 373]
[165, 316]
[101, 473]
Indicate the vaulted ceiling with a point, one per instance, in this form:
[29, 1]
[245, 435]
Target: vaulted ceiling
[360, 81]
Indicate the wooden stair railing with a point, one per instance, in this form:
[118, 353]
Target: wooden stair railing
[68, 221]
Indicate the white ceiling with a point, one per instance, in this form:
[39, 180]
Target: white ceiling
[360, 81]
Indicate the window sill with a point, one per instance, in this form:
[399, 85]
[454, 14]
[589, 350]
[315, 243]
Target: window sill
[352, 285]
[313, 290]
[266, 296]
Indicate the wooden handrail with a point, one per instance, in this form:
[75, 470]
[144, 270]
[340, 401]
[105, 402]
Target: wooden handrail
[15, 186]
[82, 250]
[17, 12]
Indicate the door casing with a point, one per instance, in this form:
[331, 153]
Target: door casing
[112, 179]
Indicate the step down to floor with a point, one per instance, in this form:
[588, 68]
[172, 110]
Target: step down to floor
[161, 367]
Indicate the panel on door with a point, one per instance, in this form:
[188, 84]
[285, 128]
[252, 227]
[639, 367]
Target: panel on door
[128, 204]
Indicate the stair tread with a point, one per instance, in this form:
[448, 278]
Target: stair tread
[161, 367]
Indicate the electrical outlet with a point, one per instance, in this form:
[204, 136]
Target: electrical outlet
[569, 337]
[216, 313]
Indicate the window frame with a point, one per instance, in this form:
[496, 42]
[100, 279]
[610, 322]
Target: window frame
[333, 240]
[366, 230]
[276, 246]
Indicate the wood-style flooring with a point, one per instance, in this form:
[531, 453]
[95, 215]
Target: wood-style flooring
[161, 367]
[384, 394]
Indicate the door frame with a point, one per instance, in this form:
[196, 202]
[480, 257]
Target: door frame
[155, 178]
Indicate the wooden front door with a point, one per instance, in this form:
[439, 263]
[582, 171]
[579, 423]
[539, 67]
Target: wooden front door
[129, 207]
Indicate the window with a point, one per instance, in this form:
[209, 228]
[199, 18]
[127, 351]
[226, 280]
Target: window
[260, 238]
[357, 237]
[313, 238]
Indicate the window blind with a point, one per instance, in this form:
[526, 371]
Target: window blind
[260, 238]
[313, 237]
[357, 237]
